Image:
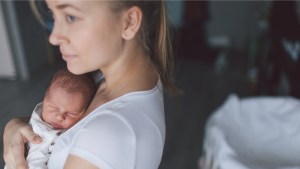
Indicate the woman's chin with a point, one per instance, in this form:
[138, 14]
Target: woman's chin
[77, 70]
[74, 70]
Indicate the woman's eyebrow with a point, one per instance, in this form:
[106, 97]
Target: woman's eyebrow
[63, 6]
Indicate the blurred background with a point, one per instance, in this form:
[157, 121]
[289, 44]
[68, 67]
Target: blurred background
[249, 48]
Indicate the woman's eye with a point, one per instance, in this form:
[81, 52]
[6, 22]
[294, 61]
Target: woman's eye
[71, 18]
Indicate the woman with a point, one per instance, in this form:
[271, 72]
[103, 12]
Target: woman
[124, 125]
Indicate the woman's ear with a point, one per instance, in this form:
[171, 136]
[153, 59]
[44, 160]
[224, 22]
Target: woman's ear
[132, 22]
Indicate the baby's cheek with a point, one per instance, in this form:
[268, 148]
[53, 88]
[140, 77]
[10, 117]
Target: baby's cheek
[46, 117]
[70, 122]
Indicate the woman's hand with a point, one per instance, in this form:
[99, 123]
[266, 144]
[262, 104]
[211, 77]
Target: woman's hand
[17, 133]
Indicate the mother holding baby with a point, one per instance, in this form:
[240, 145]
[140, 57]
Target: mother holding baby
[124, 126]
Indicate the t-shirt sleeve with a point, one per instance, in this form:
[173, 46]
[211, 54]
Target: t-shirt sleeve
[107, 141]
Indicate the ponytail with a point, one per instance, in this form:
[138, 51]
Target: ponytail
[164, 60]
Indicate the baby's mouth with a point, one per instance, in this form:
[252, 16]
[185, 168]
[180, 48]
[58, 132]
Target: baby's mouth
[56, 126]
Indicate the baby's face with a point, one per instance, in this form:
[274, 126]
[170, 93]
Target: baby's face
[62, 109]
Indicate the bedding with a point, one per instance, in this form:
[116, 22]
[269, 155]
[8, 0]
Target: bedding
[253, 133]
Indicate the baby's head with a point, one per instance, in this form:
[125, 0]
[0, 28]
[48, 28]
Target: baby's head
[66, 98]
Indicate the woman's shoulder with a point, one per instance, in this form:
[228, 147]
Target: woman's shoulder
[141, 105]
[131, 104]
[107, 119]
[130, 112]
[104, 140]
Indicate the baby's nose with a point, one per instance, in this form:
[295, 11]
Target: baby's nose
[61, 116]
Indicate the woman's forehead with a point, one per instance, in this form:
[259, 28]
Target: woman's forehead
[75, 4]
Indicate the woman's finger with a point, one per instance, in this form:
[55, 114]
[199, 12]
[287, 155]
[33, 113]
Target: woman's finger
[29, 136]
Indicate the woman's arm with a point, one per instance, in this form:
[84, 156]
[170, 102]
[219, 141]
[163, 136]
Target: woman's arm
[75, 162]
[17, 133]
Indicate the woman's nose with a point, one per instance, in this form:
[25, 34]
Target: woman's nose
[57, 36]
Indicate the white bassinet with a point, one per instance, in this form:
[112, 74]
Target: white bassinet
[253, 133]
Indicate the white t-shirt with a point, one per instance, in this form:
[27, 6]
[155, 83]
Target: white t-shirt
[125, 133]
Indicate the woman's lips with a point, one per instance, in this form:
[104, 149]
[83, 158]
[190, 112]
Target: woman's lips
[67, 57]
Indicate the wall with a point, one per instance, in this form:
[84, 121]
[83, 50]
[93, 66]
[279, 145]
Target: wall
[33, 37]
[236, 19]
[27, 39]
[175, 12]
[7, 67]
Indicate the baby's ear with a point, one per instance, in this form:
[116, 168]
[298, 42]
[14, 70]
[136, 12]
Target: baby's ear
[132, 22]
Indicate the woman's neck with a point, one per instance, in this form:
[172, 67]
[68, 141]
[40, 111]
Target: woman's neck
[135, 73]
[139, 74]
